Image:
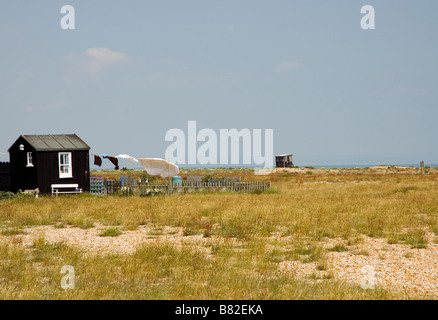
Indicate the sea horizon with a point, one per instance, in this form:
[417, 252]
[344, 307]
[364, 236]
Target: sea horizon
[316, 166]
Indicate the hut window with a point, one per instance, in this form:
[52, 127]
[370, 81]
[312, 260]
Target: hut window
[65, 165]
[29, 159]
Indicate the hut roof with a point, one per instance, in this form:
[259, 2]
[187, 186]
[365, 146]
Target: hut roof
[56, 142]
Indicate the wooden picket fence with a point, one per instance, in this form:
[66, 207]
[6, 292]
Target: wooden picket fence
[131, 187]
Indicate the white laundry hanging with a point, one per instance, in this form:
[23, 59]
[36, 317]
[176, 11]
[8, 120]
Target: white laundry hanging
[127, 157]
[159, 167]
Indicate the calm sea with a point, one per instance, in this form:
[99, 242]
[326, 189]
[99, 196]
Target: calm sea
[318, 166]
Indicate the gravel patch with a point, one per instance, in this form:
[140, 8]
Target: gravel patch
[389, 266]
[90, 241]
[372, 263]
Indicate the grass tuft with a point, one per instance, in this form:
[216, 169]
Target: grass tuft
[111, 232]
[338, 248]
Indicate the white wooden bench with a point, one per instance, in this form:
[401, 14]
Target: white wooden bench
[57, 187]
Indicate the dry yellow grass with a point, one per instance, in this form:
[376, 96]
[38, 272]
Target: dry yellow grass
[224, 245]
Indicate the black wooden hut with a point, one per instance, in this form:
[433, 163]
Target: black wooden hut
[38, 161]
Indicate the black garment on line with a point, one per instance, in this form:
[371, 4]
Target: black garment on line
[97, 160]
[115, 161]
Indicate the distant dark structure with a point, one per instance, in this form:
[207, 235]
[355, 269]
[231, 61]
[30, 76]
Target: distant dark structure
[38, 161]
[284, 161]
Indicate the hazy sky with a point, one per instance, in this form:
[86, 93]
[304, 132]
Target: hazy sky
[131, 70]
